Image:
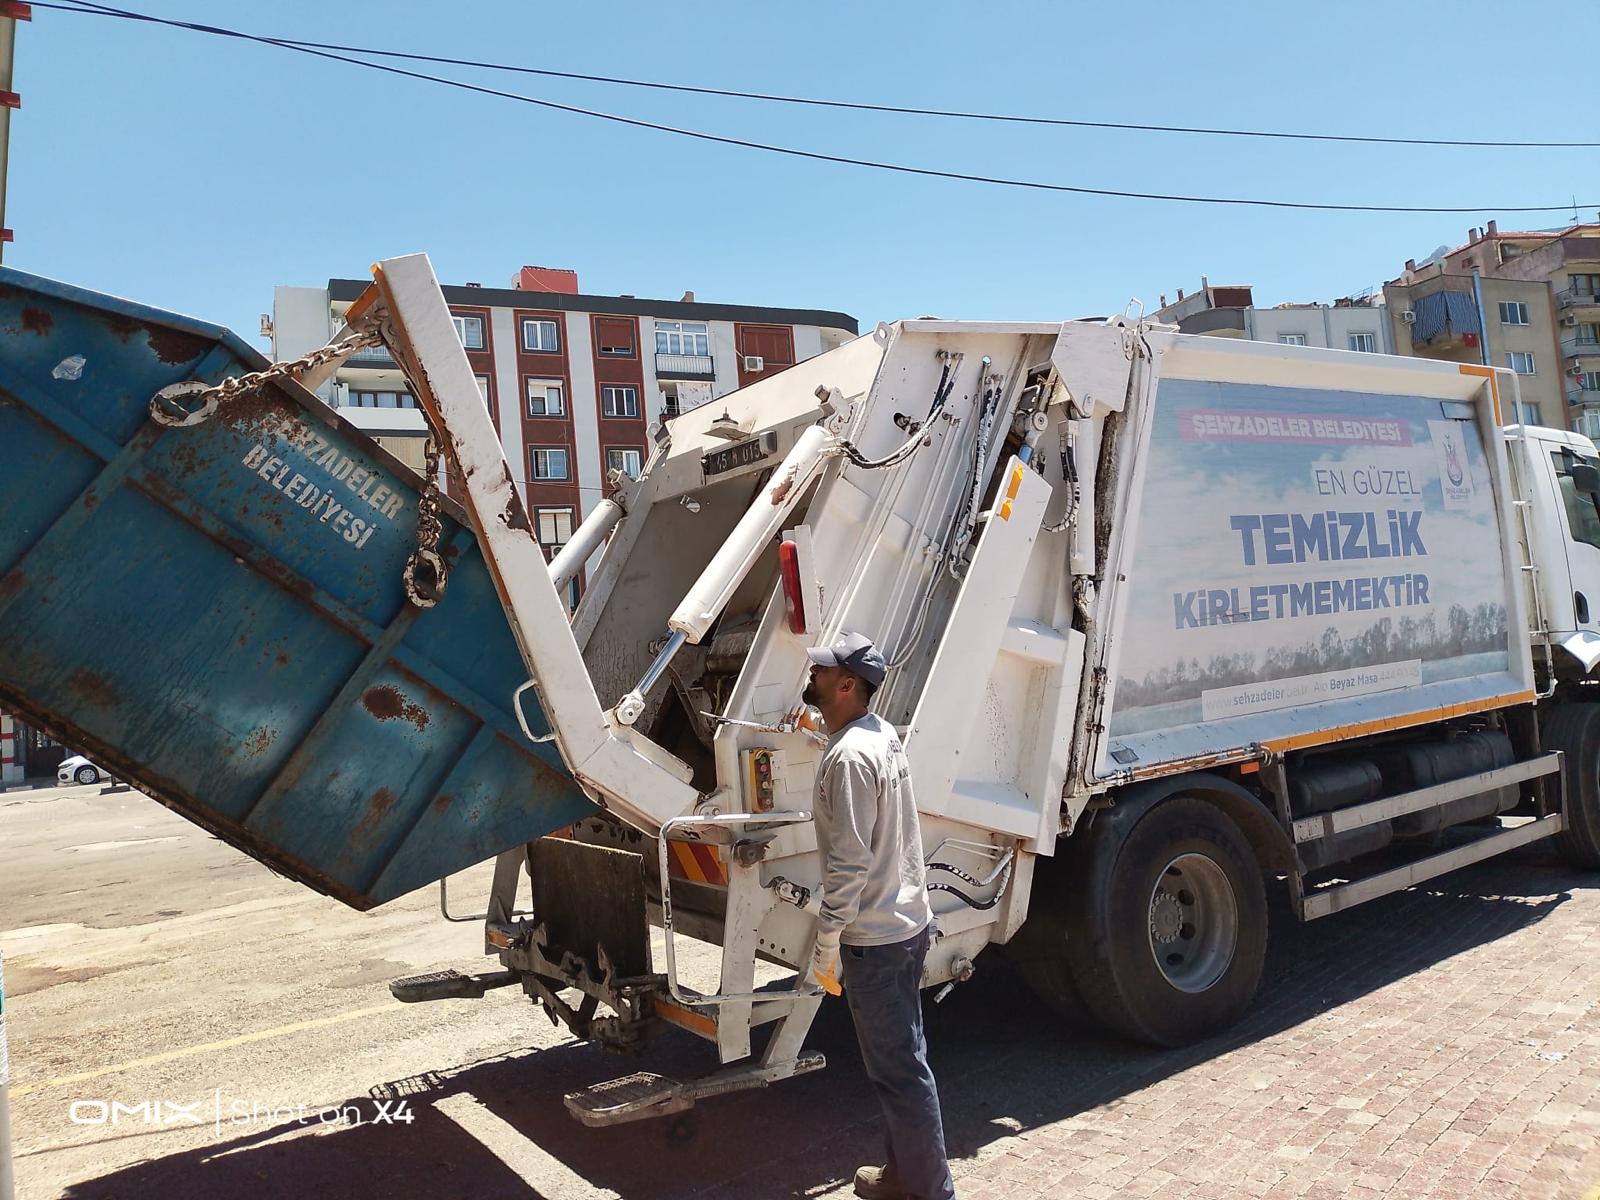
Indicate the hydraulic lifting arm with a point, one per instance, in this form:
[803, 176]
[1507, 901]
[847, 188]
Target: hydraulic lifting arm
[620, 769]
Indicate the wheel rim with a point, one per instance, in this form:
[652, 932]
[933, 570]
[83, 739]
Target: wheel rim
[1194, 922]
[85, 775]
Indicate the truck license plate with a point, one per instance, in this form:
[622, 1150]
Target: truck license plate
[740, 454]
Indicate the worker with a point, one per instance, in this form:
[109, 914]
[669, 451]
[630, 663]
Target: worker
[875, 917]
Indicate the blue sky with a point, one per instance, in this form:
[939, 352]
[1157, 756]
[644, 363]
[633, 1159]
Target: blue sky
[195, 173]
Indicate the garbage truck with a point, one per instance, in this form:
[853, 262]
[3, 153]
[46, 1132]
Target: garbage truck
[1169, 619]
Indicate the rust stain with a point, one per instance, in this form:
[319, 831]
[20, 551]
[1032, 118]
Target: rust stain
[91, 499]
[378, 806]
[782, 488]
[175, 346]
[185, 459]
[515, 516]
[282, 660]
[93, 688]
[121, 326]
[37, 320]
[387, 704]
[260, 741]
[443, 801]
[11, 584]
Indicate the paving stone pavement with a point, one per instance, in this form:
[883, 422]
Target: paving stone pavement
[1440, 1043]
[1443, 1043]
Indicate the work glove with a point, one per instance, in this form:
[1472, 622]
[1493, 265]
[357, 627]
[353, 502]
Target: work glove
[824, 971]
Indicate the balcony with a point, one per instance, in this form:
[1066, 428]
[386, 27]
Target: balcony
[1573, 298]
[373, 358]
[1585, 409]
[1578, 346]
[685, 366]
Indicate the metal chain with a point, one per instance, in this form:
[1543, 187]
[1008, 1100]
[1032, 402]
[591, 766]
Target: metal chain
[172, 405]
[426, 574]
[190, 403]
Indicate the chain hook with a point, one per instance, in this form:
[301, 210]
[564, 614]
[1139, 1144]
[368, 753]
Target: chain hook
[425, 573]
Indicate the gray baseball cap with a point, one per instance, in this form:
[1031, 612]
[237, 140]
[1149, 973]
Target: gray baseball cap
[856, 654]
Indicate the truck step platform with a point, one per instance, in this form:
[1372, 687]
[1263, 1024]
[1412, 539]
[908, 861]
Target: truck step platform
[644, 1094]
[449, 985]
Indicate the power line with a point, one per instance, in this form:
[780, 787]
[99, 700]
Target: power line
[957, 114]
[83, 7]
[910, 110]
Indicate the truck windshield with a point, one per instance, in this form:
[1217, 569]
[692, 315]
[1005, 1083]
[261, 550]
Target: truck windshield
[1583, 518]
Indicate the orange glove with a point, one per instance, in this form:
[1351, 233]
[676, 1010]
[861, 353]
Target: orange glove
[824, 971]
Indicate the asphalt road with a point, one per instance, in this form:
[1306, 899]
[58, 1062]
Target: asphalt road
[147, 963]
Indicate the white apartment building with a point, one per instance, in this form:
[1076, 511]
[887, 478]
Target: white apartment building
[1354, 323]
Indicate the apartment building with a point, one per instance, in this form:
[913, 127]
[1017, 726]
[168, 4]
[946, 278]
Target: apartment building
[1352, 323]
[1528, 301]
[573, 382]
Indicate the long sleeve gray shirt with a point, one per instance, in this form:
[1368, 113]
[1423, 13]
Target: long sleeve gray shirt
[874, 881]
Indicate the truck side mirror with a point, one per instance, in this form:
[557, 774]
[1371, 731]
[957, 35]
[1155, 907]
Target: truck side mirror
[1585, 478]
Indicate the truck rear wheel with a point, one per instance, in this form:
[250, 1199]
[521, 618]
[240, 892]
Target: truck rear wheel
[1574, 729]
[1168, 947]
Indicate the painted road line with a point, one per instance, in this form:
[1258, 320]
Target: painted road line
[533, 1164]
[261, 1035]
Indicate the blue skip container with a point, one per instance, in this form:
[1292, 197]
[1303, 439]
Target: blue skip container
[216, 613]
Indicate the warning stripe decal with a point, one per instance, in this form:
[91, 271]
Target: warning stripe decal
[696, 863]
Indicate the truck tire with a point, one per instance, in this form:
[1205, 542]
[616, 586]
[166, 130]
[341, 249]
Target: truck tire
[1167, 945]
[1037, 953]
[1574, 729]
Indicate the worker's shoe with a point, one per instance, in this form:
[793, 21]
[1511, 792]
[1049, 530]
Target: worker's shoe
[875, 1183]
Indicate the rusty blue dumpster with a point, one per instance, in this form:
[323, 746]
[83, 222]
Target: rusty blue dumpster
[216, 613]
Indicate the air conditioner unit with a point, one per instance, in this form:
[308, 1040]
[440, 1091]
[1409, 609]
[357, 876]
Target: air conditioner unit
[1408, 316]
[1569, 321]
[754, 362]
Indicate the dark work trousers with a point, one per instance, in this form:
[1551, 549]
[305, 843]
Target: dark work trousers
[880, 982]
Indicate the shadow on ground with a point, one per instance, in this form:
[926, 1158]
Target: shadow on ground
[1002, 1066]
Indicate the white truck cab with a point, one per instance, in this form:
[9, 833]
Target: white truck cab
[1558, 473]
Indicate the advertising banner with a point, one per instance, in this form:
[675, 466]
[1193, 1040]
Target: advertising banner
[1299, 545]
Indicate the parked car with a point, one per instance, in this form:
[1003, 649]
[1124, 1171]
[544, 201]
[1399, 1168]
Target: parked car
[78, 769]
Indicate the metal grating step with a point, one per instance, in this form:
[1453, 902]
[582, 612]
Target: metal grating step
[448, 985]
[644, 1093]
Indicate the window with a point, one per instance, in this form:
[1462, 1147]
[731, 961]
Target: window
[554, 528]
[546, 398]
[613, 337]
[682, 337]
[1525, 414]
[1583, 519]
[470, 331]
[1588, 334]
[1520, 361]
[487, 393]
[1585, 285]
[1291, 339]
[619, 400]
[1366, 343]
[540, 335]
[629, 462]
[382, 400]
[1589, 381]
[549, 462]
[1513, 313]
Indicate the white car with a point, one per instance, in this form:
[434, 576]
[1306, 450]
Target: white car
[79, 770]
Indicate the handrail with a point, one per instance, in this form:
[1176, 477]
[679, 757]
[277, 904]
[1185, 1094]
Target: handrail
[687, 999]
